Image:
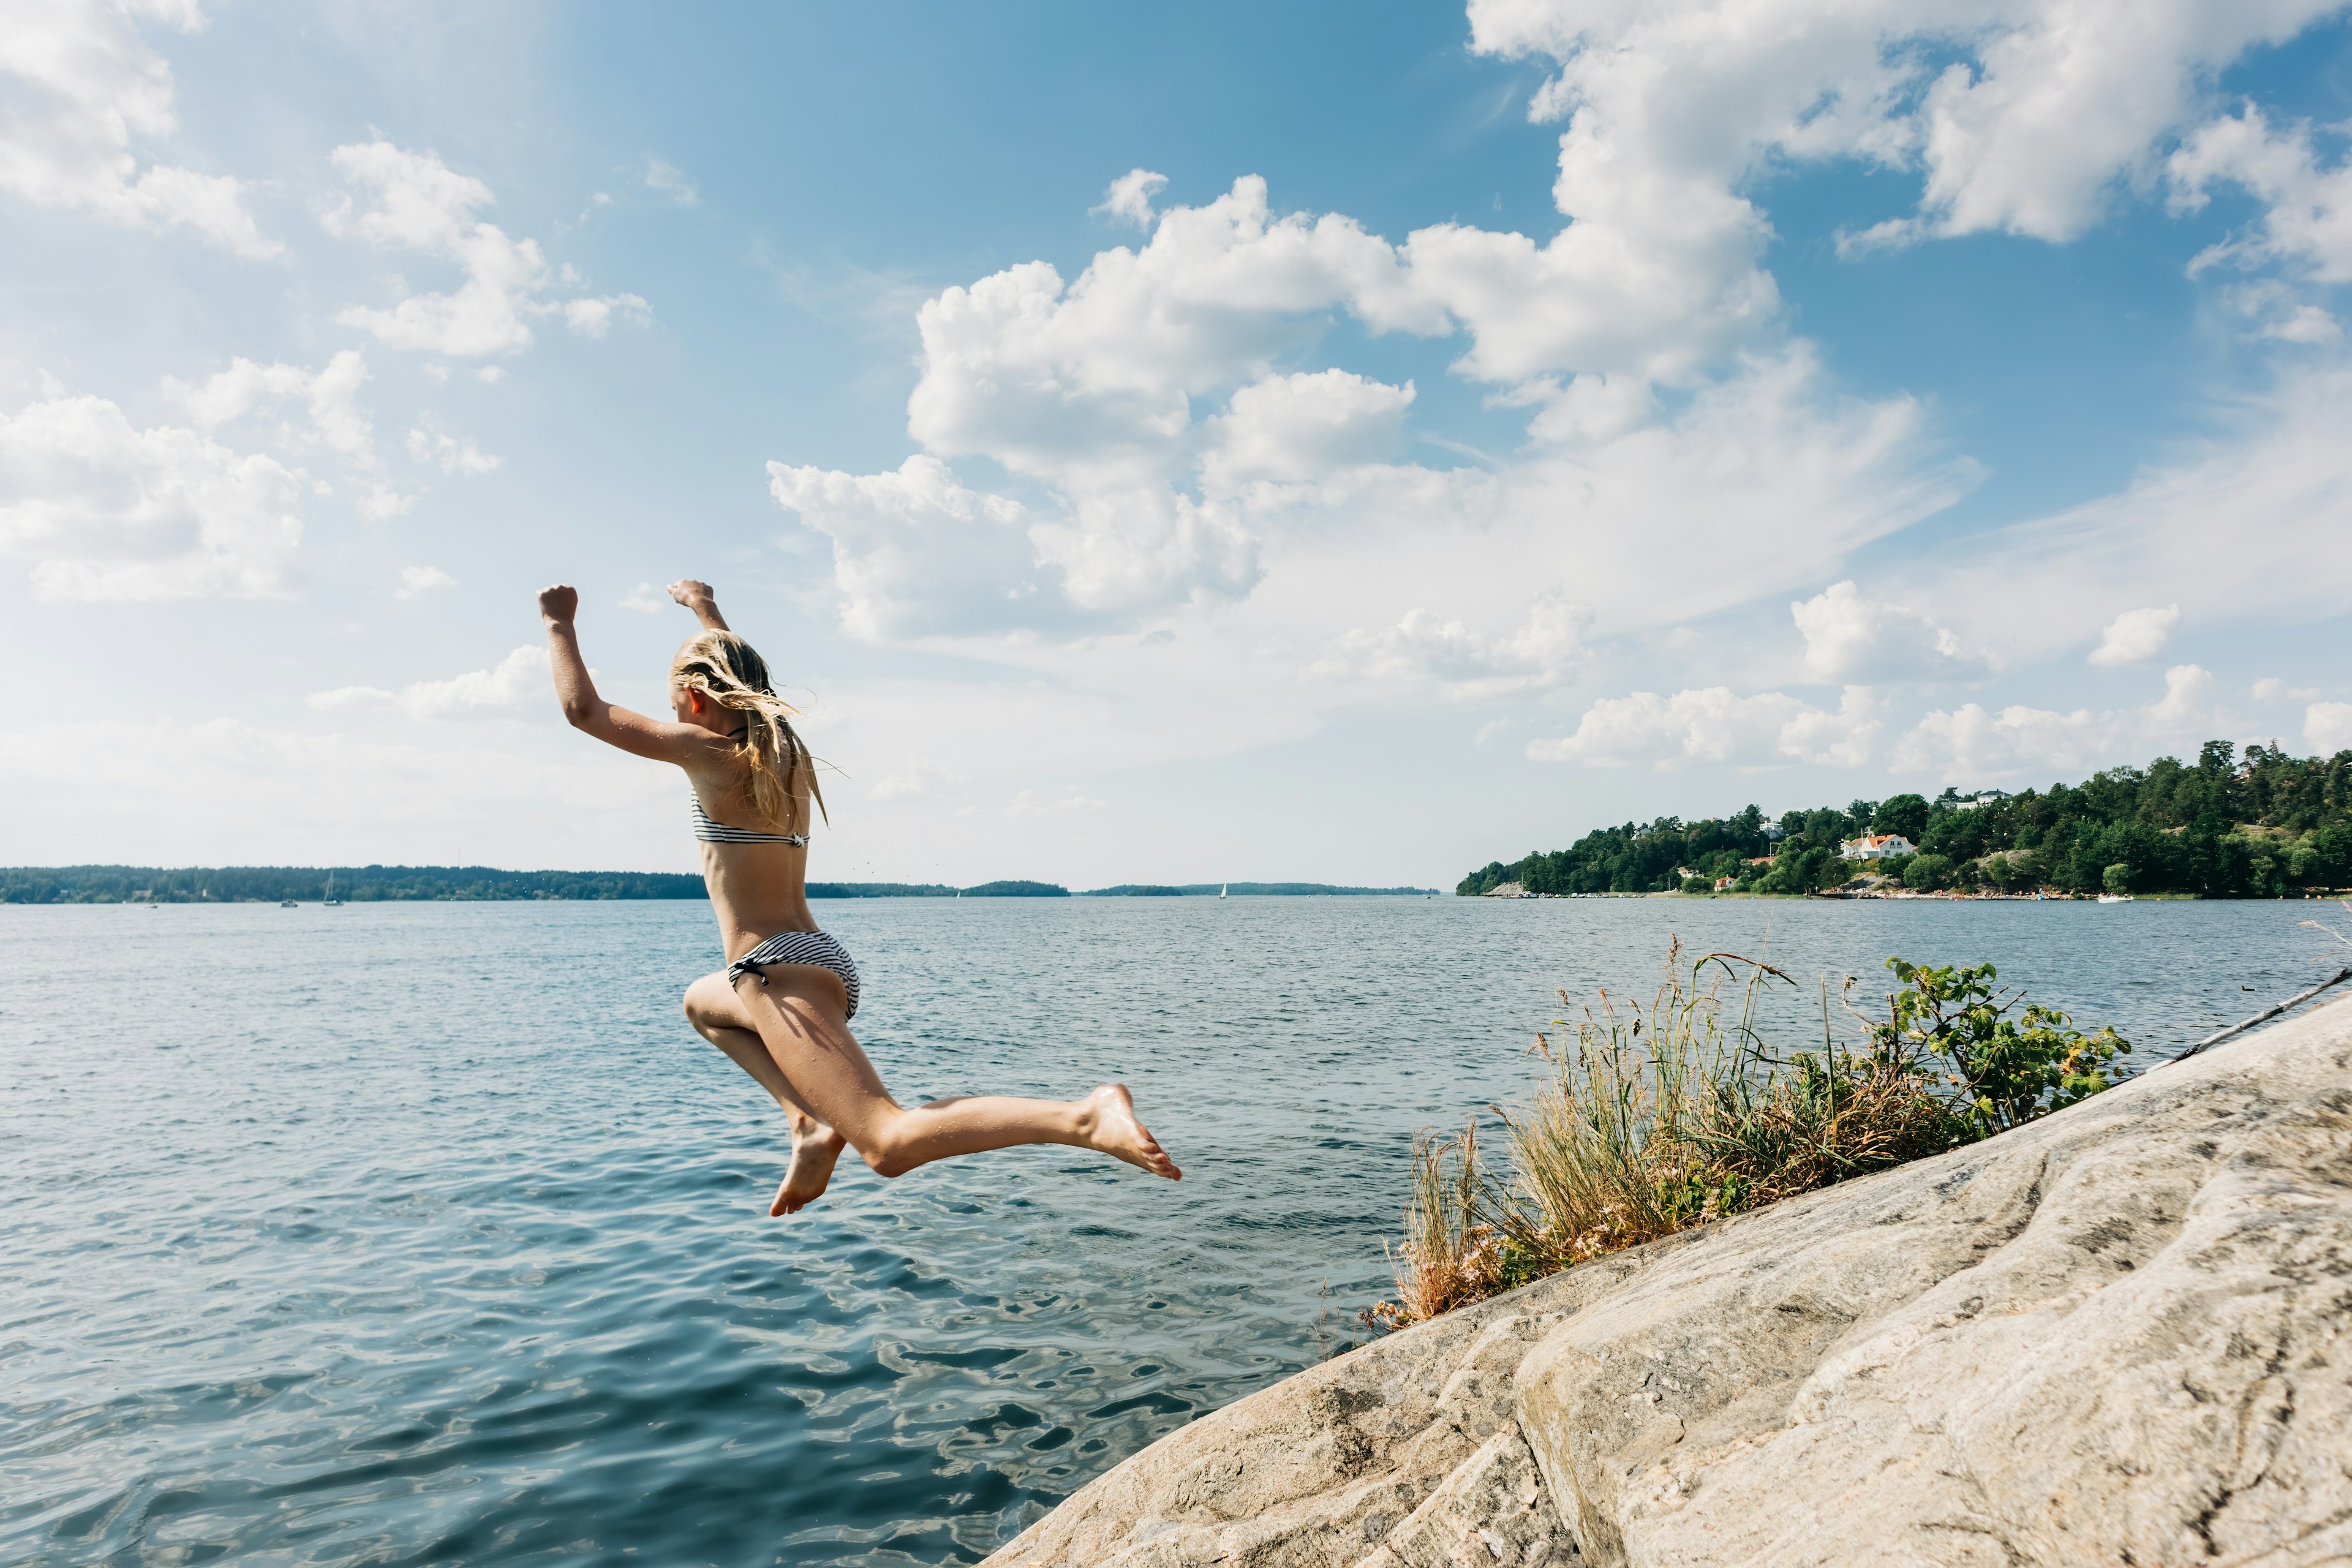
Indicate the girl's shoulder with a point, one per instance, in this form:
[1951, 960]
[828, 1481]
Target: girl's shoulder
[717, 773]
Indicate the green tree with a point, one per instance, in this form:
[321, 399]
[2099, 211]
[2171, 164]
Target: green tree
[1903, 813]
[1925, 873]
[2117, 877]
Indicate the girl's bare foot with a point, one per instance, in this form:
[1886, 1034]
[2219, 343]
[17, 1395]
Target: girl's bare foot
[1107, 1122]
[806, 1177]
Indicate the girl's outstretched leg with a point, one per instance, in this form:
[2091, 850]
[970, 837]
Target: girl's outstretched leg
[718, 1017]
[799, 1015]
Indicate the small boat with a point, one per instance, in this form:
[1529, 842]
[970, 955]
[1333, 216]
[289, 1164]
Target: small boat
[1224, 887]
[287, 904]
[332, 902]
[2115, 897]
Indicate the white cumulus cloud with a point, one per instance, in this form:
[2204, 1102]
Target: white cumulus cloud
[1846, 738]
[1714, 724]
[1129, 196]
[2304, 232]
[417, 580]
[2136, 637]
[2327, 727]
[1971, 739]
[1044, 376]
[80, 92]
[513, 683]
[2307, 221]
[105, 511]
[415, 202]
[1302, 427]
[330, 396]
[1850, 637]
[914, 551]
[1465, 664]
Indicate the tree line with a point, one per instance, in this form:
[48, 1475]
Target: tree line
[354, 884]
[2263, 825]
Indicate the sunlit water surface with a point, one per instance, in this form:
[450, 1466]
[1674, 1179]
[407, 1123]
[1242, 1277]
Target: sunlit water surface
[429, 1233]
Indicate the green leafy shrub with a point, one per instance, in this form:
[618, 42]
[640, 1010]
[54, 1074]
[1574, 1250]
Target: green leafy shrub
[2000, 1071]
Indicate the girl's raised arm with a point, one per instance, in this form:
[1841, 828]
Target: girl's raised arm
[663, 739]
[697, 596]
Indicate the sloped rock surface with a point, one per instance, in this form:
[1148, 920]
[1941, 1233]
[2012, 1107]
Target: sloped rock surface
[2122, 1335]
[1402, 1438]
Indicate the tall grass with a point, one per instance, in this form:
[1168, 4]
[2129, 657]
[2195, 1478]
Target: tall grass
[1651, 1119]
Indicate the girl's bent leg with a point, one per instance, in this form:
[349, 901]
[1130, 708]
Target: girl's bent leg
[798, 1013]
[718, 1017]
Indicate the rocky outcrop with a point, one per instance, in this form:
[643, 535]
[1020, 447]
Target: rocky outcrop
[2123, 1334]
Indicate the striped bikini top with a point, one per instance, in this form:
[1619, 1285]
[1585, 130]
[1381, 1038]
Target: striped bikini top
[711, 832]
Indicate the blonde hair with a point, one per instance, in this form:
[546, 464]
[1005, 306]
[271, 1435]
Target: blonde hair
[727, 670]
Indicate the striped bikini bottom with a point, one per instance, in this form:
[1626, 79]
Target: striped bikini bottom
[800, 947]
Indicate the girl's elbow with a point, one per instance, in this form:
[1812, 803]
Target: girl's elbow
[579, 715]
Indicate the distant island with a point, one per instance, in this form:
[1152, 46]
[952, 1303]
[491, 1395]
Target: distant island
[382, 884]
[2266, 825]
[1260, 889]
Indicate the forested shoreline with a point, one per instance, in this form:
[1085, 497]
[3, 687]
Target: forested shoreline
[2266, 824]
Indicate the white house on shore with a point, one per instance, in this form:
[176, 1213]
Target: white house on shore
[1877, 846]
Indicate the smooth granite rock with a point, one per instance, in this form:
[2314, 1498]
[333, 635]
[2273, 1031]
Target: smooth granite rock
[2123, 1335]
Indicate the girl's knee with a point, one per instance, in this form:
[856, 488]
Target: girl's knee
[708, 1006]
[889, 1155]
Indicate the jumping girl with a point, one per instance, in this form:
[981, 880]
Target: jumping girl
[781, 1007]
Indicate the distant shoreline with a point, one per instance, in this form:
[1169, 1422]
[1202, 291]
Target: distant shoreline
[487, 884]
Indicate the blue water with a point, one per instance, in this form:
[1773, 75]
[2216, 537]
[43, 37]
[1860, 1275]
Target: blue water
[429, 1233]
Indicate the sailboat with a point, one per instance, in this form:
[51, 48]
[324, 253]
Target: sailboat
[1224, 887]
[332, 902]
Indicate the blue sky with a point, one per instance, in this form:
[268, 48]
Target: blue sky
[1338, 443]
